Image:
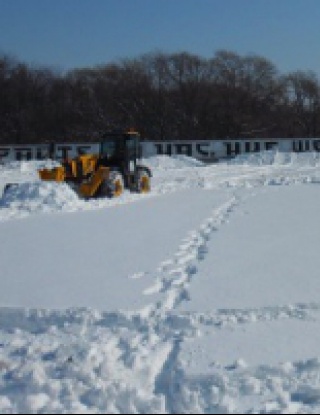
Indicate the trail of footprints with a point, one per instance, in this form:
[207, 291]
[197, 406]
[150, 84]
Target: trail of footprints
[174, 276]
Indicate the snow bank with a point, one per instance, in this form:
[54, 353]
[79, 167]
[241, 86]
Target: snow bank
[171, 162]
[275, 157]
[81, 361]
[33, 196]
[22, 171]
[27, 166]
[170, 174]
[39, 197]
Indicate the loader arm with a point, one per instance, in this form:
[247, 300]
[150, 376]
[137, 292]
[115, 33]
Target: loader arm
[91, 187]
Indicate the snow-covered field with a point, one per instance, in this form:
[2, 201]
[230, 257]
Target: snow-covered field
[200, 297]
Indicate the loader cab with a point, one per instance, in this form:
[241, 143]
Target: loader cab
[120, 146]
[120, 151]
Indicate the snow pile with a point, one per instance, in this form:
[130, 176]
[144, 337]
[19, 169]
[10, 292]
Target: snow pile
[31, 196]
[35, 165]
[22, 171]
[171, 162]
[277, 158]
[26, 167]
[39, 197]
[81, 361]
[170, 174]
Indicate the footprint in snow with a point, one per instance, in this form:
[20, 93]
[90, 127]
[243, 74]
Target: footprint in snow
[137, 275]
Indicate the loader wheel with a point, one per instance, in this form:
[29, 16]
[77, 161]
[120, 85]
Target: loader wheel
[113, 186]
[144, 185]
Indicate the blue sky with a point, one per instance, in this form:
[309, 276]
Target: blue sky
[65, 34]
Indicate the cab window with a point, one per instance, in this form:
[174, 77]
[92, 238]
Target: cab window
[108, 148]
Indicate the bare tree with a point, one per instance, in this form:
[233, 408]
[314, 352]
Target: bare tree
[303, 93]
[164, 96]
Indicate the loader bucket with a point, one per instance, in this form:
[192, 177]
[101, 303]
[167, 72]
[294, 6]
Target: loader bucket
[56, 174]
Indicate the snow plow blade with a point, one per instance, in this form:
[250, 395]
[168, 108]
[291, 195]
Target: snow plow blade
[54, 175]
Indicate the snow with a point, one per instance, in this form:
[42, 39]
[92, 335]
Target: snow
[61, 251]
[200, 297]
[172, 162]
[273, 236]
[274, 157]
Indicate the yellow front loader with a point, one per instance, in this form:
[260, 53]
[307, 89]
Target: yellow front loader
[107, 173]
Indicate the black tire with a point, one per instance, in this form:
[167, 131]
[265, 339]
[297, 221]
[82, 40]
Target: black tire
[113, 186]
[143, 182]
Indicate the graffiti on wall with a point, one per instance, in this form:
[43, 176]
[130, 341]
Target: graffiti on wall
[192, 149]
[42, 152]
[207, 151]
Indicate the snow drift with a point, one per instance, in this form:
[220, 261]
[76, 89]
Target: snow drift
[39, 197]
[277, 158]
[171, 162]
[170, 174]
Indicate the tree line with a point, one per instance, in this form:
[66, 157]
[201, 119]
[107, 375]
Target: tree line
[164, 96]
